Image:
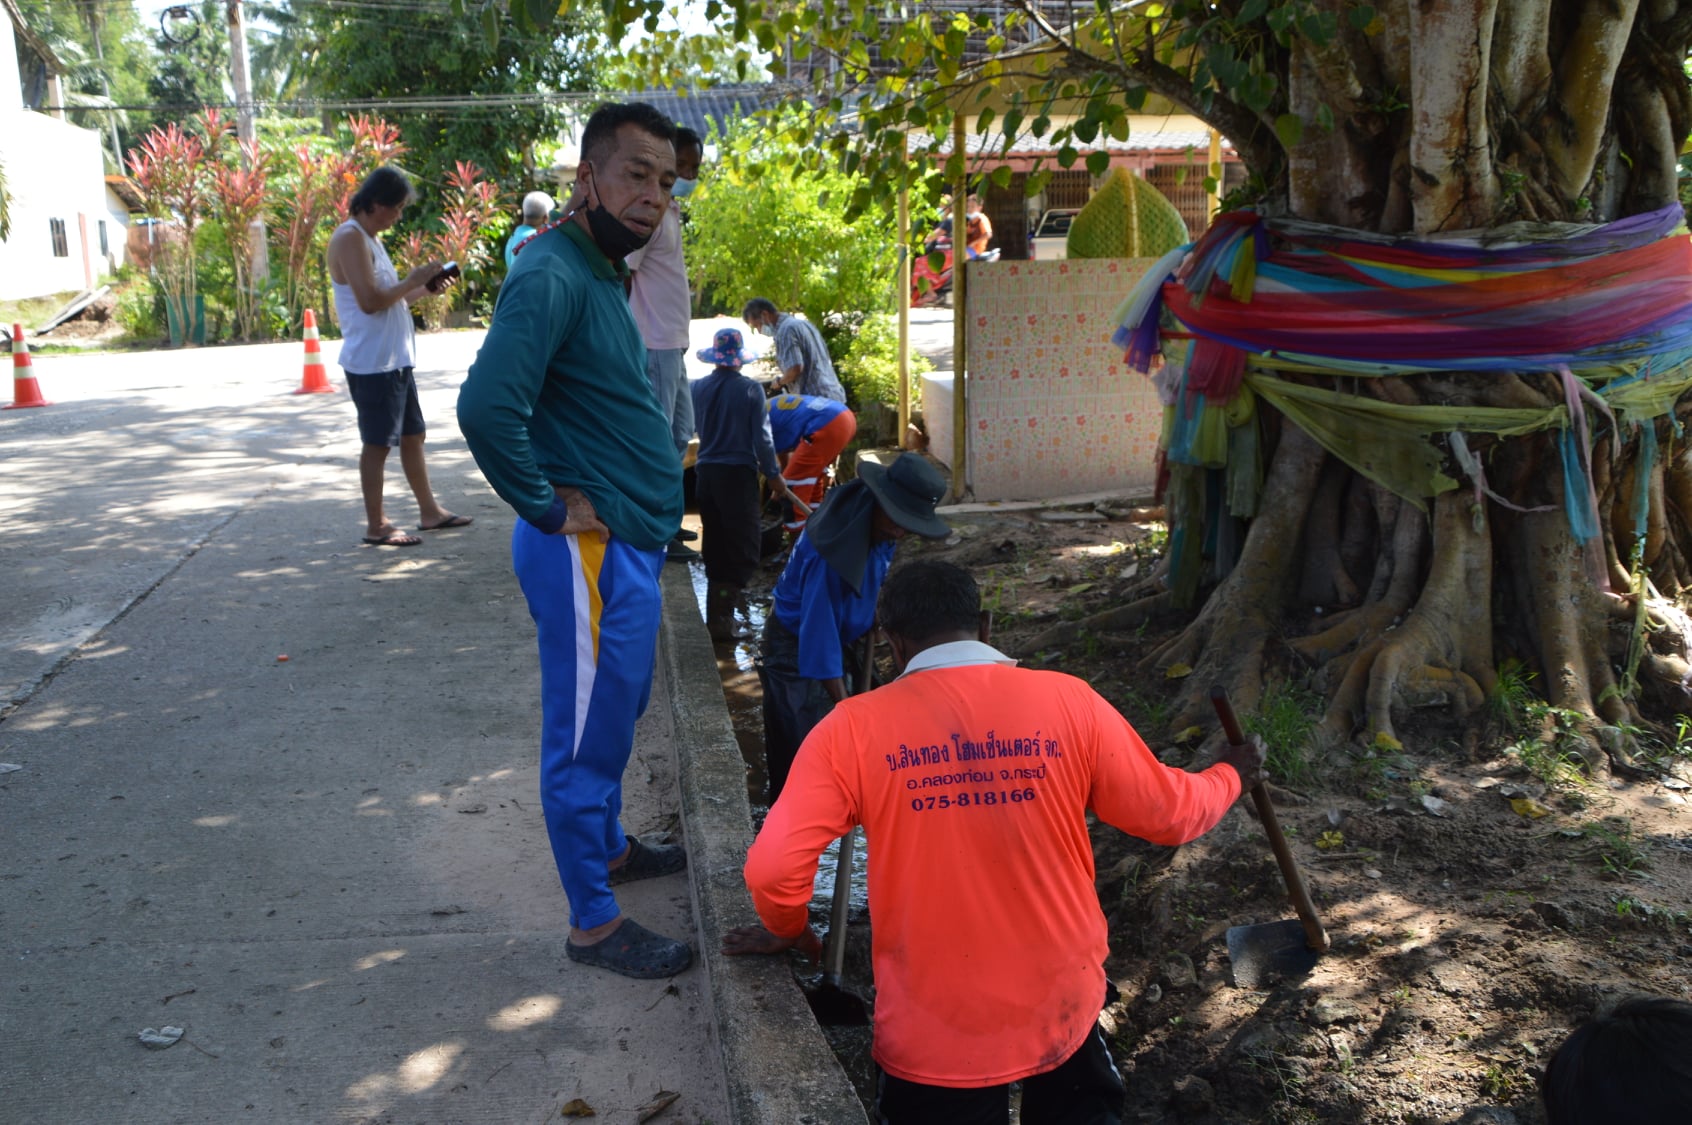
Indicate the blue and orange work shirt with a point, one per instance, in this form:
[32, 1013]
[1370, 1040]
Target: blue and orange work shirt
[796, 417]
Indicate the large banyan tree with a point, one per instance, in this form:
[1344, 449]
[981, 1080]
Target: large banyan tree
[1427, 376]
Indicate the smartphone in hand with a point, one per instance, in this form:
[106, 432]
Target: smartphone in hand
[449, 272]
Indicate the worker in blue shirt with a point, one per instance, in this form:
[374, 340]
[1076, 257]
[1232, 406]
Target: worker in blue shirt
[825, 597]
[734, 445]
[810, 432]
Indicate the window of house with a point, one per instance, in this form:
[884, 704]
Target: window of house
[61, 246]
[104, 247]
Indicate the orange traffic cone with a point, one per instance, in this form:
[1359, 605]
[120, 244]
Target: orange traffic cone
[25, 390]
[316, 381]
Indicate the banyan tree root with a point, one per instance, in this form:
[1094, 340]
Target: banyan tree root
[1226, 642]
[1449, 591]
[1117, 619]
[1447, 639]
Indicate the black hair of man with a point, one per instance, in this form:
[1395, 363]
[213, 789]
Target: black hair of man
[928, 598]
[387, 186]
[759, 306]
[599, 139]
[1632, 1064]
[687, 138]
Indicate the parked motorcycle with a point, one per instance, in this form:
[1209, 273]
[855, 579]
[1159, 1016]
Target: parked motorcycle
[934, 287]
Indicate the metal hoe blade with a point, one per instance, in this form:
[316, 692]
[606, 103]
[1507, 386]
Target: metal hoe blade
[1272, 951]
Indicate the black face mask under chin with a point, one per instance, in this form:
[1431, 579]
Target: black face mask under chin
[614, 240]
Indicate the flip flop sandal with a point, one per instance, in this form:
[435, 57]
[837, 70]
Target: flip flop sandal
[648, 861]
[634, 951]
[395, 538]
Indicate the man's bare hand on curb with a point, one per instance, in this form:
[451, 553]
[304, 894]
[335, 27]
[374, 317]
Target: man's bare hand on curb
[744, 940]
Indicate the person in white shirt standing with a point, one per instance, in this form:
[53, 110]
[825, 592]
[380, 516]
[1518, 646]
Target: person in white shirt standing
[662, 303]
[378, 350]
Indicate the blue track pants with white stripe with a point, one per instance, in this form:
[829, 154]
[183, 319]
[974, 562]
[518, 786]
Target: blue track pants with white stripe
[596, 607]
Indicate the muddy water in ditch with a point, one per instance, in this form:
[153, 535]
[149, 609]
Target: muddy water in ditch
[738, 668]
[737, 665]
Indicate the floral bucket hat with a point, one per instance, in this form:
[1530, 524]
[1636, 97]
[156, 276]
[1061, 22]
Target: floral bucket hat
[728, 349]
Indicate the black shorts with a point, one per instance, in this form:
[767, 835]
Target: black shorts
[730, 516]
[387, 406]
[1086, 1089]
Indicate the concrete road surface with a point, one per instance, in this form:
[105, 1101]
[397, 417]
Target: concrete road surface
[329, 870]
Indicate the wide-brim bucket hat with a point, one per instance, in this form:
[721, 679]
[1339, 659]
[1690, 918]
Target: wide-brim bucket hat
[728, 349]
[908, 490]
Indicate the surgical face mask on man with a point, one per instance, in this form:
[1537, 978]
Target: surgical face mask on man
[682, 187]
[613, 237]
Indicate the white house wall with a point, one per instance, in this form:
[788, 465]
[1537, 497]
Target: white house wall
[53, 171]
[117, 230]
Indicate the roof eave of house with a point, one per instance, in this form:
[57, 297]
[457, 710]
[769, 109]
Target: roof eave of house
[128, 191]
[31, 39]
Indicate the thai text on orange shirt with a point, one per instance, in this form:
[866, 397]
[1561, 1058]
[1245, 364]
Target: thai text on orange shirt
[972, 785]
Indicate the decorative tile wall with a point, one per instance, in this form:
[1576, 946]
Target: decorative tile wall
[1052, 409]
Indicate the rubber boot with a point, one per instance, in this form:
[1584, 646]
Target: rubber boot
[719, 612]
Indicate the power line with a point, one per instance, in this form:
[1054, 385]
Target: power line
[305, 107]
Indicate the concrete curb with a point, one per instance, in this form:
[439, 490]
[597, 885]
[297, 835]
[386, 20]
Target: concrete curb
[779, 1068]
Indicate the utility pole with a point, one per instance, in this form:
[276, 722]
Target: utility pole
[244, 127]
[246, 130]
[96, 25]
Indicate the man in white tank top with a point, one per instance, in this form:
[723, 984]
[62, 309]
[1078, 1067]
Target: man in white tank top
[377, 352]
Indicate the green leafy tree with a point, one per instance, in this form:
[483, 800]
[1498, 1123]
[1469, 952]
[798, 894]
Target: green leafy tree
[763, 224]
[190, 74]
[759, 228]
[109, 58]
[280, 44]
[484, 115]
[1400, 117]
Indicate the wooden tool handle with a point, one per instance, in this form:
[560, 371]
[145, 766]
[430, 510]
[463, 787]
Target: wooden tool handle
[834, 951]
[1314, 935]
[834, 954]
[866, 681]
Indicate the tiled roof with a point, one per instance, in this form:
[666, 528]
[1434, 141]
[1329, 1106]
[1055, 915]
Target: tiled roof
[698, 109]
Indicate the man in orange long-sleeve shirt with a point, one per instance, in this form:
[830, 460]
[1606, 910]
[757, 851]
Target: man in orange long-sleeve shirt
[972, 779]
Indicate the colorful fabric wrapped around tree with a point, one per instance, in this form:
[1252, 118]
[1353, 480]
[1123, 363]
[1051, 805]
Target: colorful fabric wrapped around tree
[1608, 308]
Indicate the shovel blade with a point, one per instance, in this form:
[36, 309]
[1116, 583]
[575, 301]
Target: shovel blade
[1264, 953]
[836, 1005]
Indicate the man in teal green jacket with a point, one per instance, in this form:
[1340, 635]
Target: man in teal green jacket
[559, 414]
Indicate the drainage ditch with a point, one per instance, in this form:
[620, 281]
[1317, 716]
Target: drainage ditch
[738, 669]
